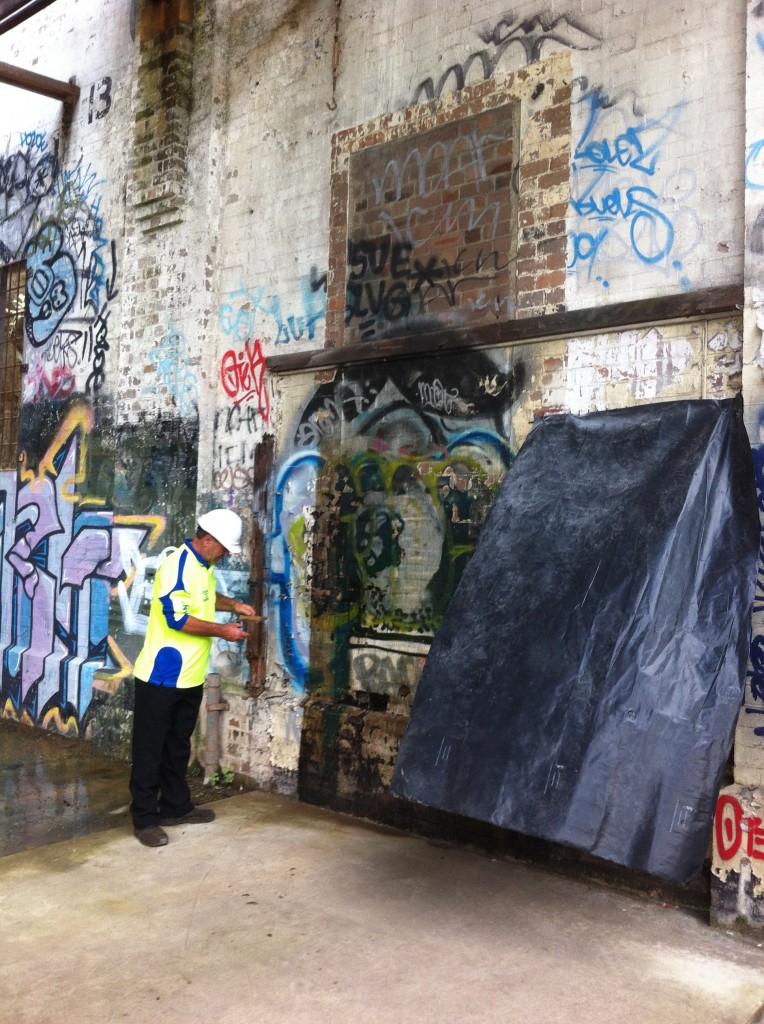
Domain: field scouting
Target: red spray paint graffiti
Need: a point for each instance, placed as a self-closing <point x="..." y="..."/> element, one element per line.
<point x="736" y="831"/>
<point x="243" y="377"/>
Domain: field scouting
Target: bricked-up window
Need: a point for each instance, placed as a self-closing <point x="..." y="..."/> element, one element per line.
<point x="12" y="295"/>
<point x="451" y="214"/>
<point x="432" y="226"/>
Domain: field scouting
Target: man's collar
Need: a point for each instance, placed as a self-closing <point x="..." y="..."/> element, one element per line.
<point x="190" y="545"/>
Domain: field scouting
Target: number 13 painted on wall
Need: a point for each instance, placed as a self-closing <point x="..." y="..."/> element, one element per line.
<point x="100" y="100"/>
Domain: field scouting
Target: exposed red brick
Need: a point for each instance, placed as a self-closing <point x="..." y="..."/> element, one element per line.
<point x="553" y="279"/>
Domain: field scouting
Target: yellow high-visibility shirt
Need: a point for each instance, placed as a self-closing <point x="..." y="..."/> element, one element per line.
<point x="184" y="585"/>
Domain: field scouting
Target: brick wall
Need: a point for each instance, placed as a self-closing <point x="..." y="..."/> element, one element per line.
<point x="454" y="213"/>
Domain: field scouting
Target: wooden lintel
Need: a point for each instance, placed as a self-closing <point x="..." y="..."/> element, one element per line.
<point x="66" y="92"/>
<point x="685" y="306"/>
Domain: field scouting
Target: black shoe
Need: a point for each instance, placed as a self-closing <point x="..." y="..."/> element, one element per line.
<point x="151" y="836"/>
<point x="197" y="816"/>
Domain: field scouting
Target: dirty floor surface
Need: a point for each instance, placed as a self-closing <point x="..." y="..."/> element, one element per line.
<point x="281" y="913"/>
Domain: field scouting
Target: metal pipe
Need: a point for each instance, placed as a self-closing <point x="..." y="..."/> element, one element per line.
<point x="14" y="12"/>
<point x="212" y="733"/>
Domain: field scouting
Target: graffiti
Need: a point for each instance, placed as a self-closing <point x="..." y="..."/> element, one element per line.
<point x="51" y="284"/>
<point x="248" y="312"/>
<point x="433" y="395"/>
<point x="463" y="159"/>
<point x="326" y="420"/>
<point x="142" y="568"/>
<point x="527" y="41"/>
<point x="243" y="377"/>
<point x="737" y="832"/>
<point x="376" y="671"/>
<point x="626" y="210"/>
<point x="171" y="360"/>
<point x="26" y="178"/>
<point x="33" y="140"/>
<point x="239" y="477"/>
<point x="413" y="284"/>
<point x="78" y="212"/>
<point x="237" y="418"/>
<point x="378" y="511"/>
<point x="491" y="385"/>
<point x="755" y="672"/>
<point x="50" y="217"/>
<point x="60" y="554"/>
<point x="429" y="230"/>
<point x="754" y="181"/>
<point x="150" y="469"/>
<point x="64" y="349"/>
<point x="95" y="347"/>
<point x="234" y="467"/>
<point x="39" y="385"/>
<point x="435" y="168"/>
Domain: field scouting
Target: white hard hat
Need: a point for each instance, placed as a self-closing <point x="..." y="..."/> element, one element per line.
<point x="225" y="526"/>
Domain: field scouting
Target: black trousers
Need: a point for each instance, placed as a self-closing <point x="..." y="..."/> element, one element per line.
<point x="163" y="724"/>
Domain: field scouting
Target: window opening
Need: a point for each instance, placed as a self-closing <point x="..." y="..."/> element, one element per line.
<point x="12" y="303"/>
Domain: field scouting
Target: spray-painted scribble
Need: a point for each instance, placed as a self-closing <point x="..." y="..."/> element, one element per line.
<point x="628" y="210"/>
<point x="174" y="377"/>
<point x="50" y="216"/>
<point x="252" y="311"/>
<point x="510" y="44"/>
<point x="243" y="377"/>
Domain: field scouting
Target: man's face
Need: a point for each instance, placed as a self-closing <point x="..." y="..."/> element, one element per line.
<point x="210" y="549"/>
<point x="218" y="551"/>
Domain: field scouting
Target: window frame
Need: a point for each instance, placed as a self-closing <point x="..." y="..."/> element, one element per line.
<point x="12" y="367"/>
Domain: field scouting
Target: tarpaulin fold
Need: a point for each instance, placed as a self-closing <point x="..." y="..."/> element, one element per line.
<point x="586" y="680"/>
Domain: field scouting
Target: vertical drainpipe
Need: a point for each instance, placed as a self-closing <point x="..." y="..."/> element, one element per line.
<point x="212" y="736"/>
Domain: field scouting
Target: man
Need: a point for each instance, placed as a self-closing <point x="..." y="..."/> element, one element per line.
<point x="169" y="675"/>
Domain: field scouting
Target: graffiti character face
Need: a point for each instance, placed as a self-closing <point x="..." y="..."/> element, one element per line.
<point x="51" y="284"/>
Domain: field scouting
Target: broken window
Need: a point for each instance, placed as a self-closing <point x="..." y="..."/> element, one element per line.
<point x="12" y="301"/>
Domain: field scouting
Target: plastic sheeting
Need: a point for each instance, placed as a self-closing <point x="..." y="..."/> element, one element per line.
<point x="586" y="680"/>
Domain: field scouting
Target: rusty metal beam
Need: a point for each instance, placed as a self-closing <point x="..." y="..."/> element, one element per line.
<point x="32" y="82"/>
<point x="686" y="306"/>
<point x="14" y="12"/>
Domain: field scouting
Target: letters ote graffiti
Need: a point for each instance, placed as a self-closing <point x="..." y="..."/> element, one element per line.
<point x="243" y="377"/>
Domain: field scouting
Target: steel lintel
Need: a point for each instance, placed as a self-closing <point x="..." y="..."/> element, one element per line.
<point x="14" y="12"/>
<point x="66" y="92"/>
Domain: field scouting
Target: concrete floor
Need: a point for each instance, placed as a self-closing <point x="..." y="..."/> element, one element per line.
<point x="283" y="913"/>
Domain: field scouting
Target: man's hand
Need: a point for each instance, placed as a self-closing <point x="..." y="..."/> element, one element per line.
<point x="233" y="632"/>
<point x="227" y="604"/>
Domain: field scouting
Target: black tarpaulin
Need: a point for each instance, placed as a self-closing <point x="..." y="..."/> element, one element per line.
<point x="586" y="680"/>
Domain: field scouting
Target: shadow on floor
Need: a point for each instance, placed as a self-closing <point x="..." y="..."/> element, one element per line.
<point x="55" y="787"/>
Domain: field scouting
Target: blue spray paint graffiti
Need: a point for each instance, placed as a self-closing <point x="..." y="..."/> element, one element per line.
<point x="253" y="313"/>
<point x="51" y="218"/>
<point x="627" y="211"/>
<point x="295" y="496"/>
<point x="755" y="673"/>
<point x="171" y="359"/>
